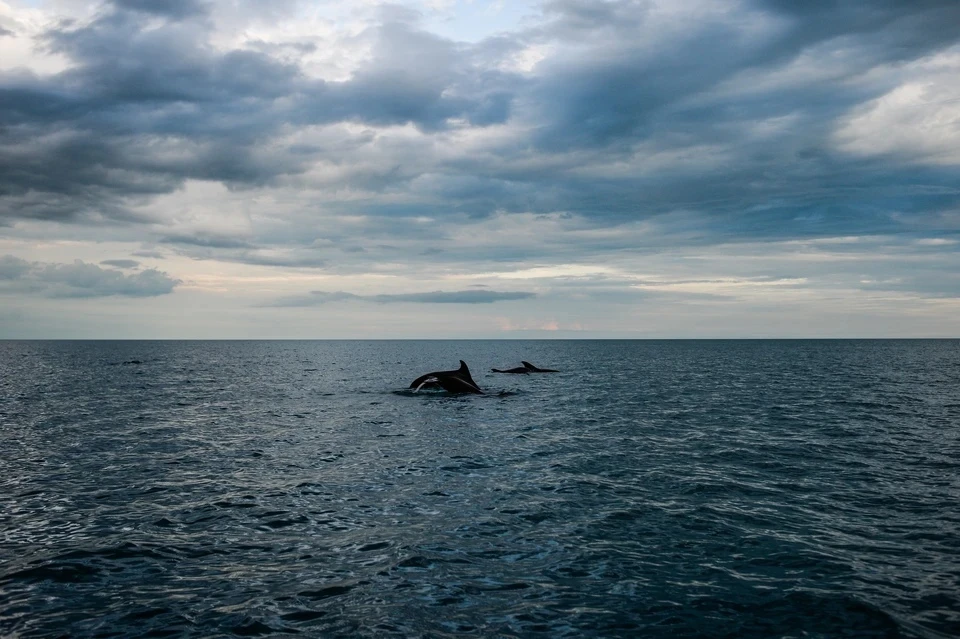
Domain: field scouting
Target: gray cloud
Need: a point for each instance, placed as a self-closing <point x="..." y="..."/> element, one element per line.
<point x="891" y="29"/>
<point x="13" y="268"/>
<point x="455" y="297"/>
<point x="80" y="279"/>
<point x="177" y="9"/>
<point x="234" y="250"/>
<point x="206" y="240"/>
<point x="316" y="298"/>
<point x="121" y="263"/>
<point x="145" y="107"/>
<point x="720" y="131"/>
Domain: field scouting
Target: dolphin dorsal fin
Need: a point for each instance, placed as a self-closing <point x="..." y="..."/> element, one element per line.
<point x="528" y="365"/>
<point x="466" y="372"/>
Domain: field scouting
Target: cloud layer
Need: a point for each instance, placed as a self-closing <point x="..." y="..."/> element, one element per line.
<point x="408" y="142"/>
<point x="80" y="279"/>
<point x="316" y="298"/>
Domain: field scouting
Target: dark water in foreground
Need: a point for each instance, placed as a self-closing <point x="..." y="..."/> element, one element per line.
<point x="651" y="489"/>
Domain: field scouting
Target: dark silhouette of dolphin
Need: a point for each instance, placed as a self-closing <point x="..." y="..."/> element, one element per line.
<point x="519" y="370"/>
<point x="458" y="381"/>
<point x="533" y="369"/>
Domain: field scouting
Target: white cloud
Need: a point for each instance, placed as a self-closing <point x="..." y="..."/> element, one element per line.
<point x="919" y="119"/>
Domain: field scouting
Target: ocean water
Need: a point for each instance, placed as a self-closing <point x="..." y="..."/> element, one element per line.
<point x="649" y="489"/>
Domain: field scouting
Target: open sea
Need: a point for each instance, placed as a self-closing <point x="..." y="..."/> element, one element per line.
<point x="649" y="489"/>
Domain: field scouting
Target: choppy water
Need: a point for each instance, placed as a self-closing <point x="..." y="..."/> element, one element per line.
<point x="650" y="489"/>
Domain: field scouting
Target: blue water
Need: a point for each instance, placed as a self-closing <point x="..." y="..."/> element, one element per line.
<point x="649" y="489"/>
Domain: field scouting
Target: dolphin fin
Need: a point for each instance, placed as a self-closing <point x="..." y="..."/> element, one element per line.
<point x="537" y="369"/>
<point x="465" y="372"/>
<point x="426" y="381"/>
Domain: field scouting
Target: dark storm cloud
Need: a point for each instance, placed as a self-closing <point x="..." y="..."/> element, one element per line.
<point x="617" y="98"/>
<point x="610" y="93"/>
<point x="619" y="89"/>
<point x="316" y="298"/>
<point x="145" y="107"/>
<point x="79" y="279"/>
<point x="625" y="118"/>
<point x="892" y="29"/>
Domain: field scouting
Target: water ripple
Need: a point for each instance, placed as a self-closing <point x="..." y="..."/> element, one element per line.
<point x="656" y="489"/>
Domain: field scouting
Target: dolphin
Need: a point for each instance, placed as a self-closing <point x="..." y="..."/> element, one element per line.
<point x="533" y="369"/>
<point x="518" y="369"/>
<point x="458" y="381"/>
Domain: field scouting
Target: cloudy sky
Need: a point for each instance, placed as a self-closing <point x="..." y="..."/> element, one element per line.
<point x="479" y="168"/>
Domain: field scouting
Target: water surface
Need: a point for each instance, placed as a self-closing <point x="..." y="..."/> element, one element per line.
<point x="650" y="488"/>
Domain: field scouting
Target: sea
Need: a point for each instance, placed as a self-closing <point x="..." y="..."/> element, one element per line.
<point x="737" y="489"/>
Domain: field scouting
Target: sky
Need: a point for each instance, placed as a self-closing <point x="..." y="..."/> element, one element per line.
<point x="479" y="169"/>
